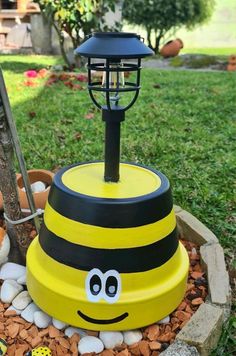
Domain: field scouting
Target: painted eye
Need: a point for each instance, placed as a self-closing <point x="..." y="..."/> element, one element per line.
<point x="94" y="285"/>
<point x="112" y="286"/>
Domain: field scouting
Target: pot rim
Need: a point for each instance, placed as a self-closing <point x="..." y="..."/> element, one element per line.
<point x="43" y="172"/>
<point x="2" y="235"/>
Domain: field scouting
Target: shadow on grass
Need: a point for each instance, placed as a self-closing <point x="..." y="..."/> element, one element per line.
<point x="19" y="67"/>
<point x="21" y="63"/>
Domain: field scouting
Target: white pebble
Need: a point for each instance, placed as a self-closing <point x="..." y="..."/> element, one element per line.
<point x="28" y="312"/>
<point x="12" y="270"/>
<point x="16" y="310"/>
<point x="9" y="290"/>
<point x="90" y="344"/>
<point x="22" y="300"/>
<point x="70" y="331"/>
<point x="41" y="319"/>
<point x="132" y="336"/>
<point x="58" y="324"/>
<point x="165" y="320"/>
<point x="22" y="279"/>
<point x="194" y="251"/>
<point x="38" y="187"/>
<point x="111" y="339"/>
<point x="4" y="249"/>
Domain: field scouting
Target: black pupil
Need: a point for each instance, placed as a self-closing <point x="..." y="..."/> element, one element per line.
<point x="111" y="286"/>
<point x="95" y="284"/>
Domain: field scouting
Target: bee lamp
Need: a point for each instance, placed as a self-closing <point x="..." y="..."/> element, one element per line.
<point x="107" y="256"/>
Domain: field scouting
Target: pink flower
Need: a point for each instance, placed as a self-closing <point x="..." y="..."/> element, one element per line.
<point x="31" y="74"/>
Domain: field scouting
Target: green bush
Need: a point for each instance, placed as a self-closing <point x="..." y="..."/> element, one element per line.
<point x="159" y="17"/>
<point x="76" y="18"/>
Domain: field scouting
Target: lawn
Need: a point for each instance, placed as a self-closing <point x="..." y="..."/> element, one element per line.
<point x="185" y="127"/>
<point x="223" y="51"/>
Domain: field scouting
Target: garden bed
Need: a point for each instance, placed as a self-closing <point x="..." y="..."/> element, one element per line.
<point x="22" y="335"/>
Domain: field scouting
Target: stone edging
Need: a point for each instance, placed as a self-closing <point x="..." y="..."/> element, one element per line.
<point x="201" y="334"/>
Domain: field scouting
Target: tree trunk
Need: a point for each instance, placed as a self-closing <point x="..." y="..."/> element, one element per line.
<point x="19" y="239"/>
<point x="61" y="42"/>
<point x="149" y="38"/>
<point x="158" y="39"/>
<point x="77" y="58"/>
<point x="41" y="33"/>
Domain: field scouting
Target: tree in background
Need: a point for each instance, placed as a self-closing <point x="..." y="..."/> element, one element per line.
<point x="76" y="18"/>
<point x="158" y="17"/>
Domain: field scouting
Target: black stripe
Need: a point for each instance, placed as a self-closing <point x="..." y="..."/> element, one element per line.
<point x="112" y="213"/>
<point x="124" y="260"/>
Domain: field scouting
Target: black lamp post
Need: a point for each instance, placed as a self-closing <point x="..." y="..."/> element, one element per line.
<point x="113" y="48"/>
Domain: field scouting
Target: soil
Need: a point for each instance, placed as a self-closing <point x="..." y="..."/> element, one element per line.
<point x="22" y="336"/>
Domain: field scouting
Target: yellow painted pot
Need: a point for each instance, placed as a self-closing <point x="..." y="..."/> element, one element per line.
<point x="107" y="256"/>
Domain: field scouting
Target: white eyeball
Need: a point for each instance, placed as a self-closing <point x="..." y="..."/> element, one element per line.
<point x="103" y="285"/>
<point x="112" y="286"/>
<point x="94" y="285"/>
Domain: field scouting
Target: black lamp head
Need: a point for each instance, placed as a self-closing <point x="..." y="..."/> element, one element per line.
<point x="114" y="45"/>
<point x="113" y="48"/>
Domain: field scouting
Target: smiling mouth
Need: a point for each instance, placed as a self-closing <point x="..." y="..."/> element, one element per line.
<point x="102" y="321"/>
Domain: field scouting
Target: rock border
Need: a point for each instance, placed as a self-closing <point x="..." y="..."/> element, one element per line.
<point x="201" y="334"/>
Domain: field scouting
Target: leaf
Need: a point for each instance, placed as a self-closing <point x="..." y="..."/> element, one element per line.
<point x="82" y="78"/>
<point x="89" y="116"/>
<point x="30" y="83"/>
<point x="68" y="84"/>
<point x="78" y="136"/>
<point x="42" y="73"/>
<point x="77" y="87"/>
<point x="32" y="114"/>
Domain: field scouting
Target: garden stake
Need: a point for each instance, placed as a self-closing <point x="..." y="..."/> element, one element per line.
<point x="107" y="256"/>
<point x="15" y="140"/>
<point x="8" y="188"/>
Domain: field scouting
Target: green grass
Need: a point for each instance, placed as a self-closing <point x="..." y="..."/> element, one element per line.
<point x="210" y="51"/>
<point x="227" y="343"/>
<point x="185" y="128"/>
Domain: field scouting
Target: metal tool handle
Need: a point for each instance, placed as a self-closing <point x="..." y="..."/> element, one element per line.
<point x="16" y="144"/>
